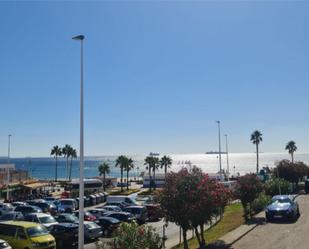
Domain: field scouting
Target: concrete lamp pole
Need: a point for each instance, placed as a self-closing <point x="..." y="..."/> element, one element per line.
<point x="81" y="158"/>
<point x="219" y="130"/>
<point x="8" y="168"/>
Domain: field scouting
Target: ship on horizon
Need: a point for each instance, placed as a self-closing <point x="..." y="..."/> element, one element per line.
<point x="214" y="152"/>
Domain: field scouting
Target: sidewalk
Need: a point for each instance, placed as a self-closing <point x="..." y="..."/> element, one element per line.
<point x="235" y="235"/>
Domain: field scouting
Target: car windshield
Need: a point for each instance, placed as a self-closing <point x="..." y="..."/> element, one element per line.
<point x="36" y="231"/>
<point x="92" y="225"/>
<point x="71" y="218"/>
<point x="47" y="219"/>
<point x="66" y="202"/>
<point x="285" y="200"/>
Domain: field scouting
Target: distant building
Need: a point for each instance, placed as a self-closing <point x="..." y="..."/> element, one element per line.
<point x="16" y="176"/>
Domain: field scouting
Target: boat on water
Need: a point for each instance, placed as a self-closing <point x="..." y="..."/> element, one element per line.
<point x="214" y="152"/>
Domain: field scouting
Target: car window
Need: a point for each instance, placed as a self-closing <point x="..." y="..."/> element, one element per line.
<point x="47" y="219"/>
<point x="7" y="230"/>
<point x="36" y="231"/>
<point x="20" y="234"/>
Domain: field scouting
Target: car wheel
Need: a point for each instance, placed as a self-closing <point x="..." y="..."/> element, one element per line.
<point x="298" y="213"/>
<point x="268" y="218"/>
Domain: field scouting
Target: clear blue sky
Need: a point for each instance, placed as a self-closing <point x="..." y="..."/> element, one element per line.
<point x="157" y="75"/>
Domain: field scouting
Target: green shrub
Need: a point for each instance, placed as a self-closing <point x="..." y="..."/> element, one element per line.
<point x="276" y="186"/>
<point x="260" y="203"/>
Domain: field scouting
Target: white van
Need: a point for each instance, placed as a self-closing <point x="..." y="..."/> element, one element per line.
<point x="120" y="199"/>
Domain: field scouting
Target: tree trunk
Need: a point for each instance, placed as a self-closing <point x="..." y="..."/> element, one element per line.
<point x="165" y="172"/>
<point x="104" y="181"/>
<point x="203" y="243"/>
<point x="154" y="178"/>
<point x="70" y="169"/>
<point x="56" y="170"/>
<point x="197" y="236"/>
<point x="257" y="158"/>
<point x="185" y="242"/>
<point x="121" y="172"/>
<point x="67" y="166"/>
<point x="127" y="179"/>
<point x="150" y="180"/>
<point x="292" y="155"/>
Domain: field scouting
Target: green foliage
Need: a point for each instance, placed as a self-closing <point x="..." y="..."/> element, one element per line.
<point x="291" y="172"/>
<point x="260" y="203"/>
<point x="276" y="186"/>
<point x="133" y="236"/>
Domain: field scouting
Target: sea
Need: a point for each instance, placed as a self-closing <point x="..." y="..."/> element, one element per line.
<point x="239" y="163"/>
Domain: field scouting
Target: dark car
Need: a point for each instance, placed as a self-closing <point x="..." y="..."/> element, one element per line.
<point x="139" y="212"/>
<point x="28" y="209"/>
<point x="122" y="216"/>
<point x="66" y="218"/>
<point x="44" y="205"/>
<point x="98" y="212"/>
<point x="12" y="216"/>
<point x="87" y="216"/>
<point x="282" y="207"/>
<point x="66" y="234"/>
<point x="108" y="225"/>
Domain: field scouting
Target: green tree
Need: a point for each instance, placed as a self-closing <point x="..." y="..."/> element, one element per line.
<point x="103" y="170"/>
<point x="66" y="154"/>
<point x="129" y="165"/>
<point x="291" y="148"/>
<point x="121" y="162"/>
<point x="165" y="163"/>
<point x="256" y="138"/>
<point x="56" y="151"/>
<point x="72" y="155"/>
<point x="152" y="163"/>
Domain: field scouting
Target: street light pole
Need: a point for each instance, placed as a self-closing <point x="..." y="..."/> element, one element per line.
<point x="8" y="168"/>
<point x="81" y="157"/>
<point x="219" y="129"/>
<point x="227" y="158"/>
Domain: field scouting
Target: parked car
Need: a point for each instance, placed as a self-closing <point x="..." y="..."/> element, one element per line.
<point x="28" y="209"/>
<point x="87" y="216"/>
<point x="139" y="212"/>
<point x="46" y="207"/>
<point x="5" y="208"/>
<point x="12" y="216"/>
<point x="4" y="245"/>
<point x="18" y="203"/>
<point x="110" y="208"/>
<point x="50" y="198"/>
<point x="44" y="219"/>
<point x="154" y="212"/>
<point x="282" y="207"/>
<point x="122" y="216"/>
<point x="120" y="198"/>
<point x="92" y="230"/>
<point x="121" y="205"/>
<point x="66" y="234"/>
<point x="98" y="212"/>
<point x="66" y="218"/>
<point x="67" y="205"/>
<point x="21" y="235"/>
<point x="108" y="225"/>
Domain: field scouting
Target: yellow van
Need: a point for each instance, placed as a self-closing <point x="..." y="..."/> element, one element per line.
<point x="26" y="235"/>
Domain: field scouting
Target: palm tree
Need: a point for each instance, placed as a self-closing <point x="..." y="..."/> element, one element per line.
<point x="103" y="170"/>
<point x="56" y="151"/>
<point x="66" y="153"/>
<point x="166" y="163"/>
<point x="129" y="165"/>
<point x="291" y="147"/>
<point x="152" y="163"/>
<point x="72" y="154"/>
<point x="256" y="138"/>
<point x="121" y="161"/>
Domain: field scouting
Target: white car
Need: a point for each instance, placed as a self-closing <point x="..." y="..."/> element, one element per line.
<point x="4" y="245"/>
<point x="44" y="219"/>
<point x="5" y="208"/>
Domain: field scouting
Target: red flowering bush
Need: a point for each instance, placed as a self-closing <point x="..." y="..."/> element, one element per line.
<point x="247" y="190"/>
<point x="191" y="200"/>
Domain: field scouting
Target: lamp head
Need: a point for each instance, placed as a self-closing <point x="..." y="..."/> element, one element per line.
<point x="78" y="37"/>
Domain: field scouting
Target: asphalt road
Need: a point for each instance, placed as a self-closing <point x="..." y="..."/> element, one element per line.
<point x="280" y="235"/>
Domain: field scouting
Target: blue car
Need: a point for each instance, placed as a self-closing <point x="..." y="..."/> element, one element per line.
<point x="282" y="207"/>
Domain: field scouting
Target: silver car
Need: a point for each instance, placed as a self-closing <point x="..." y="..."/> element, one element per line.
<point x="5" y="208"/>
<point x="4" y="245"/>
<point x="92" y="230"/>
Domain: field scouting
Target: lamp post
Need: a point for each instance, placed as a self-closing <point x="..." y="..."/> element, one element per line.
<point x="81" y="157"/>
<point x="8" y="168"/>
<point x="219" y="130"/>
<point x="227" y="158"/>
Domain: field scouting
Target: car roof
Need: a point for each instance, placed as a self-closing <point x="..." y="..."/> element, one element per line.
<point x="39" y="214"/>
<point x="277" y="197"/>
<point x="114" y="220"/>
<point x="67" y="225"/>
<point x="137" y="207"/>
<point x="24" y="224"/>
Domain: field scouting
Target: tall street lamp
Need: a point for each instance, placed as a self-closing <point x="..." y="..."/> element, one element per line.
<point x="8" y="167"/>
<point x="219" y="130"/>
<point x="227" y="158"/>
<point x="81" y="157"/>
